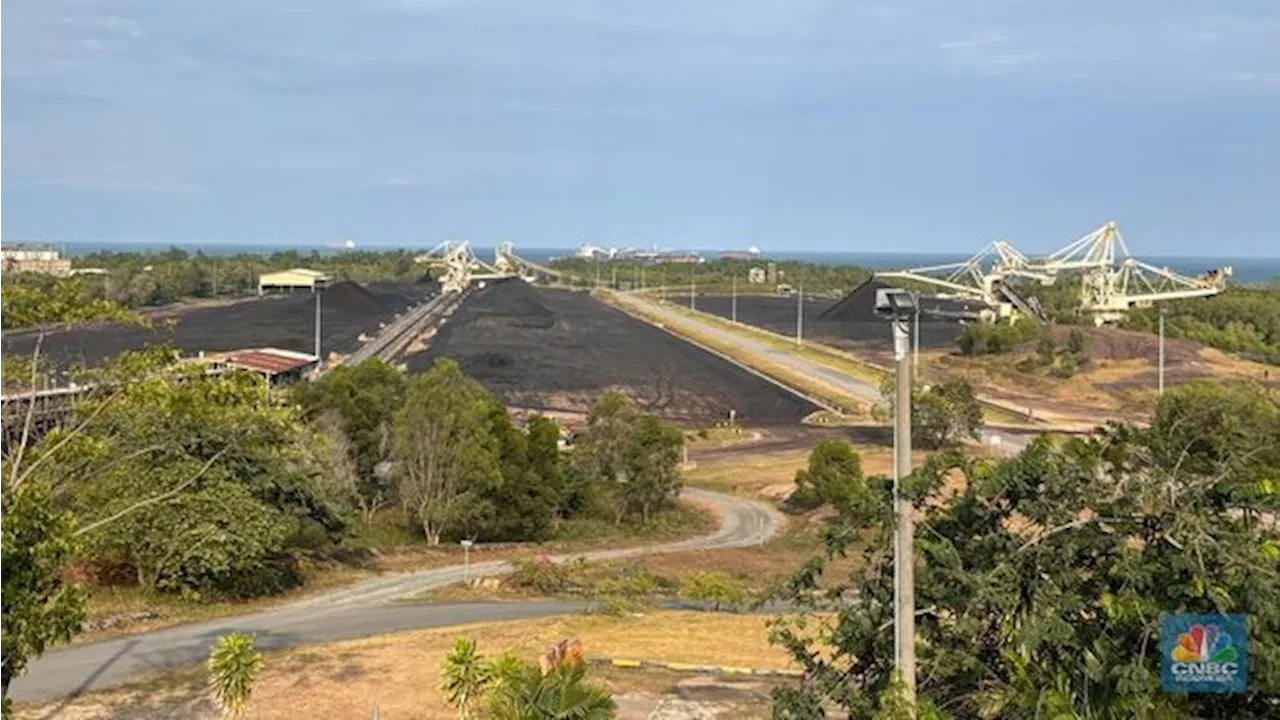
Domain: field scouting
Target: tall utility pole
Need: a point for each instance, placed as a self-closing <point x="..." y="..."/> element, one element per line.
<point x="613" y="281"/>
<point x="800" y="316"/>
<point x="1160" y="388"/>
<point x="733" y="302"/>
<point x="915" y="343"/>
<point x="693" y="289"/>
<point x="316" y="290"/>
<point x="642" y="276"/>
<point x="904" y="541"/>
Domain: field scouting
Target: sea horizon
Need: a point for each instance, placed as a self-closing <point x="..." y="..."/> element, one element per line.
<point x="1246" y="269"/>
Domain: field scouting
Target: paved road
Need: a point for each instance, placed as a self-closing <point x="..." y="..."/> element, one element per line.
<point x="361" y="610"/>
<point x="1008" y="442"/>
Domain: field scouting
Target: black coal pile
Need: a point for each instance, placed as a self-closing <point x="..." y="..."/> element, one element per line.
<point x="352" y="297"/>
<point x="858" y="306"/>
<point x="518" y="304"/>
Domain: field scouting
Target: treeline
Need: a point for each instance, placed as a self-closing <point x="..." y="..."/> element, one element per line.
<point x="717" y="276"/>
<point x="448" y="453"/>
<point x="148" y="279"/>
<point x="1046" y="570"/>
<point x="1244" y="320"/>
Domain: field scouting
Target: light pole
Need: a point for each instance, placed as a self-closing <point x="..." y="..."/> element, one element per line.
<point x="800" y="317"/>
<point x="1160" y="381"/>
<point x="915" y="344"/>
<point x="733" y="302"/>
<point x="898" y="306"/>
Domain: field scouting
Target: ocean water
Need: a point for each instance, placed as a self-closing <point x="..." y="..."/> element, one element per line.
<point x="1245" y="270"/>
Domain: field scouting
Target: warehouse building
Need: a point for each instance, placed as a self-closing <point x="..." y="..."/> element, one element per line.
<point x="292" y="280"/>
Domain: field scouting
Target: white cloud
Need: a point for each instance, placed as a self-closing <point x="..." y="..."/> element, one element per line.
<point x="973" y="43"/>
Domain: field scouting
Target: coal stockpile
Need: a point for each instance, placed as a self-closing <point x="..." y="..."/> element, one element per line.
<point x="557" y="351"/>
<point x="285" y="321"/>
<point x="850" y="323"/>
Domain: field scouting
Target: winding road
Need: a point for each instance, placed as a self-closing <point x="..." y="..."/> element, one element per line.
<point x="361" y="610"/>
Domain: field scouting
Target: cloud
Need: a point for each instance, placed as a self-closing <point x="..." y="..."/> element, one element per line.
<point x="973" y="43"/>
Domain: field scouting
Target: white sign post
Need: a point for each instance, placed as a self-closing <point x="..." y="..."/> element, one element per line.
<point x="466" y="561"/>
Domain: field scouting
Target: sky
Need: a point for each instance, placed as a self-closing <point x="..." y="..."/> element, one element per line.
<point x="916" y="125"/>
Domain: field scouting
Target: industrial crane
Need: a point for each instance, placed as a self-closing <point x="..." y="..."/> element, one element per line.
<point x="462" y="267"/>
<point x="1111" y="280"/>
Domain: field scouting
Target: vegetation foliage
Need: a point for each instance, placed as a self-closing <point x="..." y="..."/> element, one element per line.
<point x="1040" y="584"/>
<point x="234" y="664"/>
<point x="507" y="688"/>
<point x="1244" y="320"/>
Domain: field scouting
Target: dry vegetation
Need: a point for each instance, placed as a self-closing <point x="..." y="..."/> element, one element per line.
<point x="399" y="674"/>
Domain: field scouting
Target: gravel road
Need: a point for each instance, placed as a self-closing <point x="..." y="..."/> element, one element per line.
<point x="358" y="611"/>
<point x="1008" y="442"/>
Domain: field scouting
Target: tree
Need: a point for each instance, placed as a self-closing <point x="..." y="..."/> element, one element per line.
<point x="1046" y="349"/>
<point x="234" y="664"/>
<point x="365" y="398"/>
<point x="652" y="460"/>
<point x="942" y="415"/>
<point x="39" y="608"/>
<point x="1075" y="341"/>
<point x="945" y="414"/>
<point x="545" y="461"/>
<point x="1040" y="585"/>
<point x="832" y="477"/>
<point x="236" y="478"/>
<point x="444" y="447"/>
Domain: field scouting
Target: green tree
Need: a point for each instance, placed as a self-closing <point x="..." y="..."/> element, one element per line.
<point x="945" y="414"/>
<point x="197" y="483"/>
<point x="832" y="477"/>
<point x="942" y="415"/>
<point x="652" y="460"/>
<point x="39" y="608"/>
<point x="366" y="398"/>
<point x="546" y="461"/>
<point x="1040" y="585"/>
<point x="1046" y="349"/>
<point x="1075" y="341"/>
<point x="234" y="664"/>
<point x="444" y="448"/>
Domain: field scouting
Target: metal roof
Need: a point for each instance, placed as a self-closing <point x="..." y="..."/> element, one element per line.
<point x="270" y="361"/>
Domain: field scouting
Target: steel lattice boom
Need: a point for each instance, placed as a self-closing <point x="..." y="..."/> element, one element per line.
<point x="1111" y="280"/>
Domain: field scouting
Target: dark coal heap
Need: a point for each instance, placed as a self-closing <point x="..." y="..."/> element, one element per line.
<point x="858" y="306"/>
<point x="352" y="297"/>
<point x="515" y="302"/>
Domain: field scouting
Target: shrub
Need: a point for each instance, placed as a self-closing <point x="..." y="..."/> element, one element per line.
<point x="234" y="664"/>
<point x="539" y="574"/>
<point x="719" y="589"/>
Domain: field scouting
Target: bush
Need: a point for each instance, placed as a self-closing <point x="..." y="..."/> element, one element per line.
<point x="1065" y="367"/>
<point x="719" y="589"/>
<point x="539" y="574"/>
<point x="984" y="338"/>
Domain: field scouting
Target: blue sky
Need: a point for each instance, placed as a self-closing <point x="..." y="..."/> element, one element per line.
<point x="790" y="124"/>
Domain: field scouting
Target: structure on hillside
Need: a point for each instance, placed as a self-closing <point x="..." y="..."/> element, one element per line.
<point x="42" y="259"/>
<point x="1111" y="280"/>
<point x="460" y="266"/>
<point x="291" y="280"/>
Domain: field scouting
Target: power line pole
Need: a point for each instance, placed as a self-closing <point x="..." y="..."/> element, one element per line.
<point x="800" y="316"/>
<point x="693" y="289"/>
<point x="1160" y="389"/>
<point x="613" y="281"/>
<point x="915" y="344"/>
<point x="733" y="303"/>
<point x="904" y="546"/>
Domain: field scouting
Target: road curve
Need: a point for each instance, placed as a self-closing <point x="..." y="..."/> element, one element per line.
<point x="358" y="611"/>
